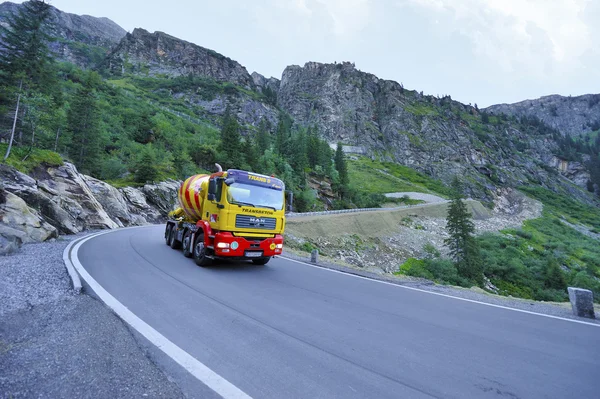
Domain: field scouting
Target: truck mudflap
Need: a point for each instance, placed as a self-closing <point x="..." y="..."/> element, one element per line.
<point x="228" y="245"/>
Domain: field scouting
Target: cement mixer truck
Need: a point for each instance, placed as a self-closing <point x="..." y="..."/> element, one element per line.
<point x="231" y="214"/>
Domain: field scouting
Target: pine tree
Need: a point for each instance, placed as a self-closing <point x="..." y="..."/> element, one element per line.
<point x="231" y="142"/>
<point x="283" y="145"/>
<point x="312" y="147"/>
<point x="83" y="124"/>
<point x="24" y="52"/>
<point x="25" y="62"/>
<point x="342" y="168"/>
<point x="461" y="242"/>
<point x="299" y="159"/>
<point x="146" y="169"/>
<point x="263" y="138"/>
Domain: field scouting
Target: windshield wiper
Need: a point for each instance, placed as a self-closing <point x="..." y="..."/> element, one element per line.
<point x="267" y="206"/>
<point x="240" y="204"/>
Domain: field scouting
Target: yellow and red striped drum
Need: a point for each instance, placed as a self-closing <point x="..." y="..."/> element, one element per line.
<point x="191" y="195"/>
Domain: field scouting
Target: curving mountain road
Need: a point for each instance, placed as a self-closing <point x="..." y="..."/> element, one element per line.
<point x="290" y="330"/>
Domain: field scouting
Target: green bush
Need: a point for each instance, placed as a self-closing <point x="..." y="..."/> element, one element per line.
<point x="416" y="268"/>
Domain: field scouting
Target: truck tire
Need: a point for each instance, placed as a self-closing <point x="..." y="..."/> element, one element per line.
<point x="261" y="261"/>
<point x="168" y="233"/>
<point x="199" y="252"/>
<point x="186" y="244"/>
<point x="173" y="243"/>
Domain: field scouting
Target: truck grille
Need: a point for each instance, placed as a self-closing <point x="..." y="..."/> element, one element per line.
<point x="255" y="222"/>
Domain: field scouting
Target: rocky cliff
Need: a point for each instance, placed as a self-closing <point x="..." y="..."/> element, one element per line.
<point x="438" y="136"/>
<point x="571" y="116"/>
<point x="158" y="53"/>
<point x="55" y="200"/>
<point x="81" y="39"/>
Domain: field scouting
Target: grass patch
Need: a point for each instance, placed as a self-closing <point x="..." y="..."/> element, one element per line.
<point x="558" y="204"/>
<point x="422" y="109"/>
<point x="366" y="175"/>
<point x="26" y="160"/>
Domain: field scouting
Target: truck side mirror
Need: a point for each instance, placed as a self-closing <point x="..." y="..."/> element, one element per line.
<point x="289" y="199"/>
<point x="212" y="190"/>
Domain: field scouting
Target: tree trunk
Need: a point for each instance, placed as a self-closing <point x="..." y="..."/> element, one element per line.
<point x="56" y="141"/>
<point x="12" y="133"/>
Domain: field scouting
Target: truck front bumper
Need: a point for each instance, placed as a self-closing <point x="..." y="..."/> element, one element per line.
<point x="227" y="245"/>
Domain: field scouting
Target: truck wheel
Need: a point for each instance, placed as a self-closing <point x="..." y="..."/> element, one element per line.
<point x="261" y="261"/>
<point x="173" y="243"/>
<point x="200" y="251"/>
<point x="187" y="244"/>
<point x="168" y="233"/>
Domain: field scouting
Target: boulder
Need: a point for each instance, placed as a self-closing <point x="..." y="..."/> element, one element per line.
<point x="137" y="205"/>
<point x="114" y="203"/>
<point x="46" y="204"/>
<point x="74" y="196"/>
<point x="162" y="195"/>
<point x="21" y="224"/>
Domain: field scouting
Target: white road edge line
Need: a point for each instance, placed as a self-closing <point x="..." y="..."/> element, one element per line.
<point x="70" y="269"/>
<point x="198" y="369"/>
<point x="444" y="295"/>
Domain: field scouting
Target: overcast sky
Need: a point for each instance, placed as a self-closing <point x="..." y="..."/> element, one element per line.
<point x="478" y="51"/>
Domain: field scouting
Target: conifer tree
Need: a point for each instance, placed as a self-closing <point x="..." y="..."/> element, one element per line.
<point x="25" y="61"/>
<point x="83" y="124"/>
<point x="461" y="242"/>
<point x="146" y="169"/>
<point x="342" y="168"/>
<point x="263" y="138"/>
<point x="231" y="142"/>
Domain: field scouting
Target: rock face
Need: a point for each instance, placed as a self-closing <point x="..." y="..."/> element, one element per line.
<point x="20" y="224"/>
<point x="437" y="136"/>
<point x="60" y="200"/>
<point x="571" y="116"/>
<point x="159" y="53"/>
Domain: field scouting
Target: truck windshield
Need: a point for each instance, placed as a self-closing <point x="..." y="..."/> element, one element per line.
<point x="247" y="194"/>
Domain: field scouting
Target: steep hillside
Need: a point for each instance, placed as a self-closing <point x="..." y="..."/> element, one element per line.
<point x="157" y="53"/>
<point x="81" y="39"/>
<point x="437" y="136"/>
<point x="571" y="116"/>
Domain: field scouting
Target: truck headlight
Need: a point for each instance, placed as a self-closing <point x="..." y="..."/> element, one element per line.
<point x="222" y="245"/>
<point x="279" y="246"/>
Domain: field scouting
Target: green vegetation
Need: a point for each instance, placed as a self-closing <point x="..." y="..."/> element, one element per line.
<point x="386" y="177"/>
<point x="422" y="109"/>
<point x="461" y="242"/>
<point x="26" y="159"/>
<point x="561" y="205"/>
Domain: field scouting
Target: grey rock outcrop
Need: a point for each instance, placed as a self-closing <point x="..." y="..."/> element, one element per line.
<point x="262" y="83"/>
<point x="437" y="136"/>
<point x="74" y="196"/>
<point x="571" y="116"/>
<point x="159" y="53"/>
<point x="114" y="203"/>
<point x="138" y="205"/>
<point x="60" y="200"/>
<point x="162" y="195"/>
<point x="20" y="224"/>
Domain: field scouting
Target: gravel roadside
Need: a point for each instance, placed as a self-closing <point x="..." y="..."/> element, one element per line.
<point x="56" y="344"/>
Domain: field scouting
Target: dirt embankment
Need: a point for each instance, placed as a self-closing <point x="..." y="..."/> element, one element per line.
<point x="381" y="241"/>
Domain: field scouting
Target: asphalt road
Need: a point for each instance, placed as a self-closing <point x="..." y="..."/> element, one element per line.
<point x="288" y="330"/>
